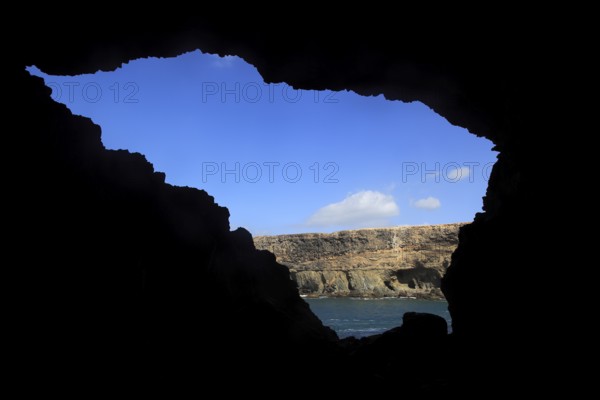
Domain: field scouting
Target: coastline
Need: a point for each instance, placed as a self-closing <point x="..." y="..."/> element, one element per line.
<point x="370" y="263"/>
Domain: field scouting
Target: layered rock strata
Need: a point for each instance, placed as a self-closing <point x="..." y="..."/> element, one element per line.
<point x="401" y="261"/>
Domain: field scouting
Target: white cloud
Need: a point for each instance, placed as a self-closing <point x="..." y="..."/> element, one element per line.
<point x="458" y="174"/>
<point x="365" y="208"/>
<point x="428" y="203"/>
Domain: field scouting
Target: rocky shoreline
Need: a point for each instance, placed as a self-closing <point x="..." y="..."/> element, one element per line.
<point x="406" y="261"/>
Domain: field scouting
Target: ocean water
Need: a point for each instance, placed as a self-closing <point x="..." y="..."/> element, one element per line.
<point x="357" y="317"/>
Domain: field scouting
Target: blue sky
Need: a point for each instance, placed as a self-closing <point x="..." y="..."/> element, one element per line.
<point x="284" y="160"/>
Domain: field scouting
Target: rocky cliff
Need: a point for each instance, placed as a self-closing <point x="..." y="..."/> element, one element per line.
<point x="399" y="261"/>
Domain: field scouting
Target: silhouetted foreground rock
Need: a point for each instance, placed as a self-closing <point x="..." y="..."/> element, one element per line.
<point x="116" y="276"/>
<point x="423" y="325"/>
<point x="377" y="262"/>
<point x="131" y="278"/>
<point x="409" y="354"/>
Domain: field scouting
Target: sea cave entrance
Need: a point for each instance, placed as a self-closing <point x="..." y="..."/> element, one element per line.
<point x="358" y="196"/>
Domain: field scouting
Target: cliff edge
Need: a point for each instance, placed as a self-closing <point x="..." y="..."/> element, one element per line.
<point x="378" y="262"/>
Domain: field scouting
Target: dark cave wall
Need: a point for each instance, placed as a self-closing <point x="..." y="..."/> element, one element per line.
<point x="482" y="88"/>
<point x="136" y="250"/>
<point x="121" y="277"/>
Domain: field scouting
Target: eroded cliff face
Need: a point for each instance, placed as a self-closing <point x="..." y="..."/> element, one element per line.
<point x="400" y="261"/>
